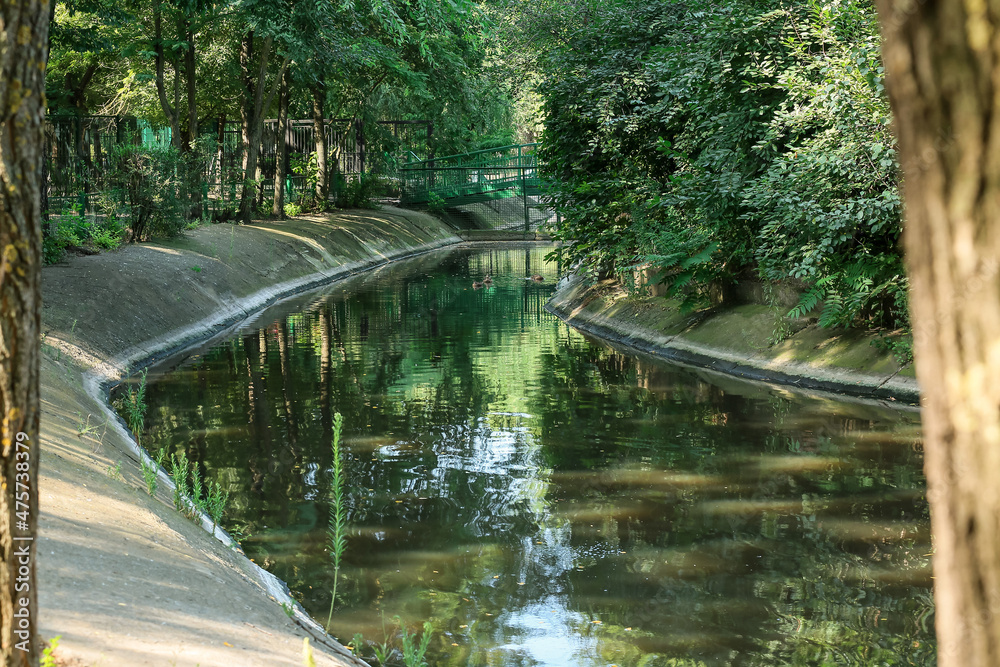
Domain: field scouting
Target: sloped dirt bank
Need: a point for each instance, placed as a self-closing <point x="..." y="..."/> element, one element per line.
<point x="737" y="341"/>
<point x="124" y="578"/>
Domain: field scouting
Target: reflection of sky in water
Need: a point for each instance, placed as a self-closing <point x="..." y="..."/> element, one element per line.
<point x="546" y="634"/>
<point x="546" y="502"/>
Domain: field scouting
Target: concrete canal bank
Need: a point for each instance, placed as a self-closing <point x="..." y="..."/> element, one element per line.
<point x="739" y="341"/>
<point x="125" y="579"/>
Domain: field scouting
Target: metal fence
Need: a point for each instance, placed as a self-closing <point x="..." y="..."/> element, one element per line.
<point x="78" y="156"/>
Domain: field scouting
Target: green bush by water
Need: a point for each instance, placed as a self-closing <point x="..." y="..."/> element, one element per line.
<point x="359" y="192"/>
<point x="157" y="188"/>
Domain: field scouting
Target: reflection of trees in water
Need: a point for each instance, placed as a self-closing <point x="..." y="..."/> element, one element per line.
<point x="435" y="380"/>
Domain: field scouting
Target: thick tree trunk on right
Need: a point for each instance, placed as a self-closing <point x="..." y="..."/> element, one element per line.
<point x="24" y="27"/>
<point x="943" y="74"/>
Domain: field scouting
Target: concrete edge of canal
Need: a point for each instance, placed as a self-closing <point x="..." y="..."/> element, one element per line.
<point x="737" y="341"/>
<point x="123" y="578"/>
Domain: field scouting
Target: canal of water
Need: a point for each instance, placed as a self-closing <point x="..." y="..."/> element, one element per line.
<point x="545" y="500"/>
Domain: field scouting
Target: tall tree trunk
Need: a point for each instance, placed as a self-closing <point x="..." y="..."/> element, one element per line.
<point x="24" y="29"/>
<point x="169" y="111"/>
<point x="943" y="74"/>
<point x="250" y="139"/>
<point x="254" y="105"/>
<point x="193" y="168"/>
<point x="282" y="152"/>
<point x="221" y="171"/>
<point x="190" y="72"/>
<point x="78" y="89"/>
<point x="319" y="129"/>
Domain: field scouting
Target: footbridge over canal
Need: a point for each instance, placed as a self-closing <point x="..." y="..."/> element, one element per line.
<point x="497" y="188"/>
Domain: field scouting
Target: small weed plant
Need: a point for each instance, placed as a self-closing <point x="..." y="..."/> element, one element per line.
<point x="307" y="653"/>
<point x="413" y="650"/>
<point x="338" y="520"/>
<point x="48" y="654"/>
<point x="114" y="470"/>
<point x="179" y="473"/>
<point x="413" y="647"/>
<point x="899" y="344"/>
<point x="84" y="428"/>
<point x="209" y="497"/>
<point x="216" y="499"/>
<point x="135" y="407"/>
<point x="150" y="471"/>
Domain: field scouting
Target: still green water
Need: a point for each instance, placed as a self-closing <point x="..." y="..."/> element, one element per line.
<point x="545" y="500"/>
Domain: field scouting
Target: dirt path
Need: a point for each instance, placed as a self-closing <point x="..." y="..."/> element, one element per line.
<point x="124" y="579"/>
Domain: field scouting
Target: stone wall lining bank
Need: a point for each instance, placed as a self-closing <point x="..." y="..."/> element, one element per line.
<point x="123" y="578"/>
<point x="736" y="341"/>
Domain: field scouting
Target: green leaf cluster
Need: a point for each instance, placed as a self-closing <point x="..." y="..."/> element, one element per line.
<point x="713" y="139"/>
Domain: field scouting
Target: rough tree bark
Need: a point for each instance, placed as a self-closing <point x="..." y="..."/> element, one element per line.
<point x="169" y="111"/>
<point x="24" y="28"/>
<point x="254" y="105"/>
<point x="318" y="91"/>
<point x="190" y="74"/>
<point x="278" y="208"/>
<point x="943" y="75"/>
<point x="193" y="175"/>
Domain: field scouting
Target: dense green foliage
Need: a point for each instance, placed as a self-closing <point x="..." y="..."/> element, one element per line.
<point x="716" y="138"/>
<point x="195" y="68"/>
<point x="377" y="59"/>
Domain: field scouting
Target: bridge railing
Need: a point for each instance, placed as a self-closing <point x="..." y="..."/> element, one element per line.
<point x="491" y="173"/>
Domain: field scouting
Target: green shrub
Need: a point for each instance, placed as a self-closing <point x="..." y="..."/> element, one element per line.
<point x="359" y="192"/>
<point x="307" y="166"/>
<point x="435" y="202"/>
<point x="109" y="236"/>
<point x="69" y="231"/>
<point x="157" y="190"/>
<point x="62" y="234"/>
